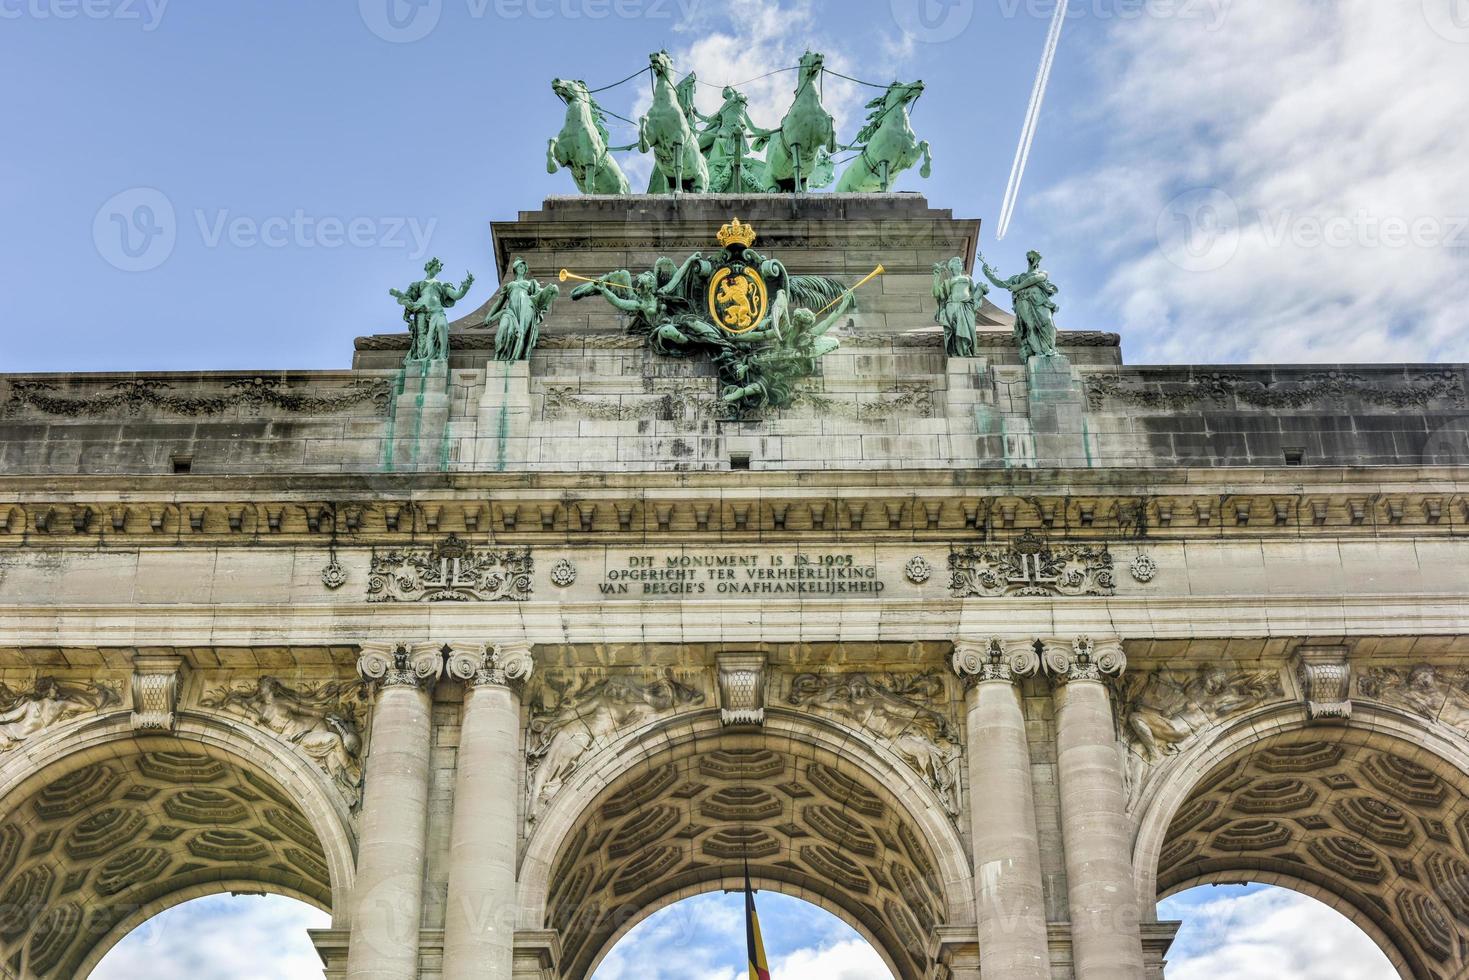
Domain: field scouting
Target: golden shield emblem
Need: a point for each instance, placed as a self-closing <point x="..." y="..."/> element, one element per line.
<point x="737" y="299"/>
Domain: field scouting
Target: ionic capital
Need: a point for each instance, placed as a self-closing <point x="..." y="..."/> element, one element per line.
<point x="401" y="664"/>
<point x="1084" y="659"/>
<point x="996" y="660"/>
<point x="478" y="663"/>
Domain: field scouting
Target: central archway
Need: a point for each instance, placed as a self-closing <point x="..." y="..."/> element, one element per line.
<point x="677" y="810"/>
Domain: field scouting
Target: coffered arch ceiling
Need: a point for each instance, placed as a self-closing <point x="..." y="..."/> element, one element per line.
<point x="812" y="823"/>
<point x="1366" y="818"/>
<point x="92" y="846"/>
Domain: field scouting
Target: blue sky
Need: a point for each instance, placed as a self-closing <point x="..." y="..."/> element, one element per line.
<point x="1218" y="180"/>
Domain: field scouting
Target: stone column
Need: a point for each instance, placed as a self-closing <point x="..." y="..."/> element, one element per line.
<point x="387" y="901"/>
<point x="1008" y="890"/>
<point x="479" y="920"/>
<point x="1105" y="928"/>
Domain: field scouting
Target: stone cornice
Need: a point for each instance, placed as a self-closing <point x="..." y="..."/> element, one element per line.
<point x="554" y="508"/>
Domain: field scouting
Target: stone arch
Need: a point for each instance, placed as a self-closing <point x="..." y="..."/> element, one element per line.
<point x="671" y="810"/>
<point x="102" y="827"/>
<point x="1370" y="816"/>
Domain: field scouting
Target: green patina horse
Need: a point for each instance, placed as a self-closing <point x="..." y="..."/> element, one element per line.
<point x="581" y="147"/>
<point x="792" y="162"/>
<point x="888" y="143"/>
<point x="677" y="162"/>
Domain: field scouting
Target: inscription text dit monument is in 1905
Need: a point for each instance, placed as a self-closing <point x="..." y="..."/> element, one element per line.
<point x="699" y="574"/>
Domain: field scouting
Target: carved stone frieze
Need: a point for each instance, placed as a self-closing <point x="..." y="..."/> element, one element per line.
<point x="686" y="400"/>
<point x="907" y="713"/>
<point x="47" y="702"/>
<point x="1326" y="682"/>
<point x="324" y="721"/>
<point x="134" y="396"/>
<point x="1440" y="693"/>
<point x="1162" y="709"/>
<point x="1219" y="388"/>
<point x="478" y="664"/>
<point x="571" y="717"/>
<point x="155" y="692"/>
<point x="1030" y="566"/>
<point x="453" y="570"/>
<point x="742" y="689"/>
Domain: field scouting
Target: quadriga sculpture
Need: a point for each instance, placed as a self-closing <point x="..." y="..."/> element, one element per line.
<point x="582" y="145"/>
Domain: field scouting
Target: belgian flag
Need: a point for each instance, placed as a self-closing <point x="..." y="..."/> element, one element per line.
<point x="759" y="968"/>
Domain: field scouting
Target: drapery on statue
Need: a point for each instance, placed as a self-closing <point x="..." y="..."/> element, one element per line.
<point x="424" y="304"/>
<point x="519" y="307"/>
<point x="583" y="144"/>
<point x="765" y="369"/>
<point x="889" y="145"/>
<point x="677" y="163"/>
<point x="1030" y="294"/>
<point x="959" y="298"/>
<point x="791" y="162"/>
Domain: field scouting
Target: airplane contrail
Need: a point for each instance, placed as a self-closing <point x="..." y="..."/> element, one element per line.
<point x="1032" y="117"/>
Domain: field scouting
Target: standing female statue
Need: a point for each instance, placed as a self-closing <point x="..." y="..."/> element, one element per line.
<point x="959" y="298"/>
<point x="1030" y="294"/>
<point x="519" y="307"/>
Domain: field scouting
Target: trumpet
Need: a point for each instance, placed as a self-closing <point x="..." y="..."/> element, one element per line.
<point x="568" y="274"/>
<point x="870" y="276"/>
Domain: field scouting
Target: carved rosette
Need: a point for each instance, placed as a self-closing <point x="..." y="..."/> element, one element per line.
<point x="1086" y="660"/>
<point x="995" y="661"/>
<point x="401" y="664"/>
<point x="479" y="664"/>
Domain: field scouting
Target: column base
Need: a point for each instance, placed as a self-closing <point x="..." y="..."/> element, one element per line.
<point x="1157" y="938"/>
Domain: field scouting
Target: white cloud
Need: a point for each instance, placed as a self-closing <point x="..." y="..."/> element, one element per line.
<point x="223" y="938"/>
<point x="1272" y="933"/>
<point x="1313" y="136"/>
<point x="850" y="960"/>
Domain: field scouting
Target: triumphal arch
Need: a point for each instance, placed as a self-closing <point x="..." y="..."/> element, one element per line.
<point x="538" y="620"/>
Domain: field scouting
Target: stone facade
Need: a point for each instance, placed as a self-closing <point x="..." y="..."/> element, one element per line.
<point x="493" y="661"/>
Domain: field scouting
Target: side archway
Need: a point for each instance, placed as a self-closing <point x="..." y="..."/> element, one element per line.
<point x="676" y="809"/>
<point x="102" y="827"/>
<point x="1371" y="817"/>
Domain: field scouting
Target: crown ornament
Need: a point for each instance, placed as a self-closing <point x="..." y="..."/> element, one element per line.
<point x="736" y="231"/>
